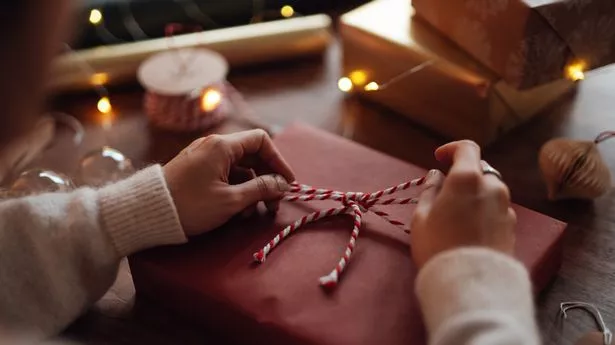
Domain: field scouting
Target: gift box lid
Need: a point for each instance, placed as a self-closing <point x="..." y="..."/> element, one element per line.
<point x="214" y="279"/>
<point x="528" y="42"/>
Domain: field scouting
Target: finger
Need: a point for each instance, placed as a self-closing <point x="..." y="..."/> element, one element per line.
<point x="509" y="238"/>
<point x="486" y="168"/>
<point x="465" y="174"/>
<point x="272" y="206"/>
<point x="433" y="183"/>
<point x="457" y="150"/>
<point x="261" y="168"/>
<point x="262" y="188"/>
<point x="496" y="187"/>
<point x="257" y="142"/>
<point x="239" y="175"/>
<point x="512" y="215"/>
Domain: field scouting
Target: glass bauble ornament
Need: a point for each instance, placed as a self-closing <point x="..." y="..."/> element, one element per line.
<point x="103" y="166"/>
<point x="38" y="181"/>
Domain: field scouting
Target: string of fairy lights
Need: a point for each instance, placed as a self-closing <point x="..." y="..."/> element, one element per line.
<point x="358" y="79"/>
<point x="192" y="10"/>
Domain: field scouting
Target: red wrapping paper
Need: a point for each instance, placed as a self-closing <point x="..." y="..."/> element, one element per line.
<point x="214" y="280"/>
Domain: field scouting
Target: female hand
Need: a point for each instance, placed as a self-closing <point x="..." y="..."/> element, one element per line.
<point x="465" y="208"/>
<point x="201" y="178"/>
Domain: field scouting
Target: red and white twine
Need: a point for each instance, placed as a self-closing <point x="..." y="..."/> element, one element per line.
<point x="353" y="203"/>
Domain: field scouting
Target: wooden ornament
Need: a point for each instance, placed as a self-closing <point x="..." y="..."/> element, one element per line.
<point x="574" y="169"/>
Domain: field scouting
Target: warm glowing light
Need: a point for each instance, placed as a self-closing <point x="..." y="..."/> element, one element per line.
<point x="345" y="84"/>
<point x="576" y="71"/>
<point x="372" y="86"/>
<point x="287" y="11"/>
<point x="104" y="105"/>
<point x="98" y="79"/>
<point x="358" y="77"/>
<point x="106" y="119"/>
<point x="95" y="17"/>
<point x="210" y="100"/>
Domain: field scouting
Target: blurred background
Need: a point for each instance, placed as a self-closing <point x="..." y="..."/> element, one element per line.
<point x="135" y="20"/>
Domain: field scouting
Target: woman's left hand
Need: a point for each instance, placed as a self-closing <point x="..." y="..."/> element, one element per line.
<point x="219" y="176"/>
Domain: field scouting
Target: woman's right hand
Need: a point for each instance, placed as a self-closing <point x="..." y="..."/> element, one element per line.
<point x="465" y="208"/>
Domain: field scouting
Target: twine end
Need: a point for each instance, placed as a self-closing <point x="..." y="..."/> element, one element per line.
<point x="328" y="281"/>
<point x="259" y="256"/>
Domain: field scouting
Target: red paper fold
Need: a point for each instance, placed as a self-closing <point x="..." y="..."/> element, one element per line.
<point x="214" y="280"/>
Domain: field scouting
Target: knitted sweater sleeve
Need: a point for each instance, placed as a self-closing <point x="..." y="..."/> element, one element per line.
<point x="59" y="253"/>
<point x="476" y="296"/>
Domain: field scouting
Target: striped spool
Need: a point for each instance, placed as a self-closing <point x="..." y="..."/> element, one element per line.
<point x="184" y="112"/>
<point x="176" y="82"/>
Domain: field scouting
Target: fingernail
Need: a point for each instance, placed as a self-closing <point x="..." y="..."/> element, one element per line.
<point x="432" y="177"/>
<point x="283" y="186"/>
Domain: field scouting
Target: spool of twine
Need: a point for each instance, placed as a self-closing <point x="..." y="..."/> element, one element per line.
<point x="184" y="112"/>
<point x="185" y="88"/>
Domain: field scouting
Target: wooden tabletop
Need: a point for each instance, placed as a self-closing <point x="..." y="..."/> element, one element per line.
<point x="306" y="91"/>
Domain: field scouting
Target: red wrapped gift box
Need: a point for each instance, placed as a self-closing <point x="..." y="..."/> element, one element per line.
<point x="214" y="279"/>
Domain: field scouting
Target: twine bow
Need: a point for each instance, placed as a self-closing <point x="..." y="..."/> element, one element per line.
<point x="353" y="203"/>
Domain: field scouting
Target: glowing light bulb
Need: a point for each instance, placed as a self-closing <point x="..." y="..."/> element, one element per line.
<point x="372" y="86"/>
<point x="358" y="77"/>
<point x="98" y="79"/>
<point x="104" y="105"/>
<point x="210" y="100"/>
<point x="345" y="84"/>
<point x="95" y="17"/>
<point x="575" y="71"/>
<point x="287" y="11"/>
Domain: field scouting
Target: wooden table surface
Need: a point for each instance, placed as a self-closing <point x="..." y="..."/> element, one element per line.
<point x="306" y="91"/>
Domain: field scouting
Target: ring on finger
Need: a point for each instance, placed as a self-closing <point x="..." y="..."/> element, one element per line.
<point x="488" y="169"/>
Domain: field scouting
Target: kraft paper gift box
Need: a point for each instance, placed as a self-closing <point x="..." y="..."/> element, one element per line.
<point x="455" y="95"/>
<point x="214" y="281"/>
<point x="527" y="42"/>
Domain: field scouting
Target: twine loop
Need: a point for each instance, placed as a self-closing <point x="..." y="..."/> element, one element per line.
<point x="355" y="204"/>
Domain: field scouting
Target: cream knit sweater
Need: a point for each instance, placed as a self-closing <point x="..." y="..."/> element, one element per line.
<point x="59" y="253"/>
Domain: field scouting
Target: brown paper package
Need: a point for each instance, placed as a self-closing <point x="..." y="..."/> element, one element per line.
<point x="527" y="42"/>
<point x="456" y="96"/>
<point x="213" y="280"/>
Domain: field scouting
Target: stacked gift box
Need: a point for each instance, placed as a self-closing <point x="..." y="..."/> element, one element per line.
<point x="485" y="66"/>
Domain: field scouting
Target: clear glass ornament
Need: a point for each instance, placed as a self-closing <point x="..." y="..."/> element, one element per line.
<point x="38" y="181"/>
<point x="103" y="166"/>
